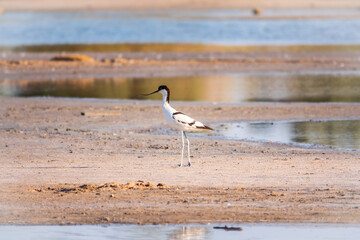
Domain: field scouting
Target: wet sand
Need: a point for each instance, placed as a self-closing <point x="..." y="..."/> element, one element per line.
<point x="51" y="147"/>
<point x="138" y="64"/>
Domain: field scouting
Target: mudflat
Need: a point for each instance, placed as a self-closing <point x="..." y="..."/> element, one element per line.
<point x="45" y="65"/>
<point x="67" y="161"/>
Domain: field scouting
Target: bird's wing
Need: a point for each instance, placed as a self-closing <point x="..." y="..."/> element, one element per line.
<point x="184" y="119"/>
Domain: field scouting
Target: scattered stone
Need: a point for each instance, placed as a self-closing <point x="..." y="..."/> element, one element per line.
<point x="15" y="62"/>
<point x="139" y="185"/>
<point x="226" y="228"/>
<point x="73" y="58"/>
<point x="276" y="194"/>
<point x="158" y="146"/>
<point x="88" y="186"/>
<point x="120" y="61"/>
<point x="108" y="185"/>
<point x="257" y="11"/>
<point x="162" y="185"/>
<point x="66" y="190"/>
<point x="130" y="185"/>
<point x="149" y="184"/>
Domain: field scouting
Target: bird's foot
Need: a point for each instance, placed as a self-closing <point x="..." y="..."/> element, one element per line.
<point x="180" y="165"/>
<point x="188" y="165"/>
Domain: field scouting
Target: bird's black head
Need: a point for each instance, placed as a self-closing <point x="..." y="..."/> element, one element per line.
<point x="162" y="87"/>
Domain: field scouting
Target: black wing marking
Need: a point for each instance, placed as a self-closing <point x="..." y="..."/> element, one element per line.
<point x="176" y="113"/>
<point x="205" y="127"/>
<point x="186" y="120"/>
<point x="192" y="123"/>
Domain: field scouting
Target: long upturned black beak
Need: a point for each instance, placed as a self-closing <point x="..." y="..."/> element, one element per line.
<point x="150" y="93"/>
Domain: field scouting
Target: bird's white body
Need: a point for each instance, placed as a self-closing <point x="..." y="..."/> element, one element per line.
<point x="179" y="120"/>
<point x="168" y="113"/>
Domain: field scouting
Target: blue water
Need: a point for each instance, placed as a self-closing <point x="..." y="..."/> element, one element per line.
<point x="181" y="232"/>
<point x="267" y="87"/>
<point x="342" y="134"/>
<point x="209" y="27"/>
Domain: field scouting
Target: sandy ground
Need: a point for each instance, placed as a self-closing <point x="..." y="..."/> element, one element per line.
<point x="49" y="150"/>
<point x="15" y="5"/>
<point x="59" y="166"/>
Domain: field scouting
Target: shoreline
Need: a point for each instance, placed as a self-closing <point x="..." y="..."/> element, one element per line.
<point x="103" y="48"/>
<point x="157" y="64"/>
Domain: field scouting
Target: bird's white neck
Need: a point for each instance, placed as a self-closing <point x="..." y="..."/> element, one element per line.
<point x="165" y="97"/>
<point x="166" y="106"/>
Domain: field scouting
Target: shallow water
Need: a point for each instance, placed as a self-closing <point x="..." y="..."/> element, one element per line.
<point x="344" y="134"/>
<point x="177" y="232"/>
<point x="226" y="88"/>
<point x="226" y="27"/>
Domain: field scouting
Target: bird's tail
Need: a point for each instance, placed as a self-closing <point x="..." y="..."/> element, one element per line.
<point x="205" y="128"/>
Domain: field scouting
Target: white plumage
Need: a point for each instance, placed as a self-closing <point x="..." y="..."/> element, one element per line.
<point x="179" y="120"/>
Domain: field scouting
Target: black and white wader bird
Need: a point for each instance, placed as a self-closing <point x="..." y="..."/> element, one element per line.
<point x="179" y="120"/>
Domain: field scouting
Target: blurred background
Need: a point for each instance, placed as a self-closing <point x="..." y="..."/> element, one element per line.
<point x="182" y="26"/>
<point x="315" y="31"/>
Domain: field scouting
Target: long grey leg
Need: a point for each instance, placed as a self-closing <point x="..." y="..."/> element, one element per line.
<point x="188" y="143"/>
<point x="182" y="148"/>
